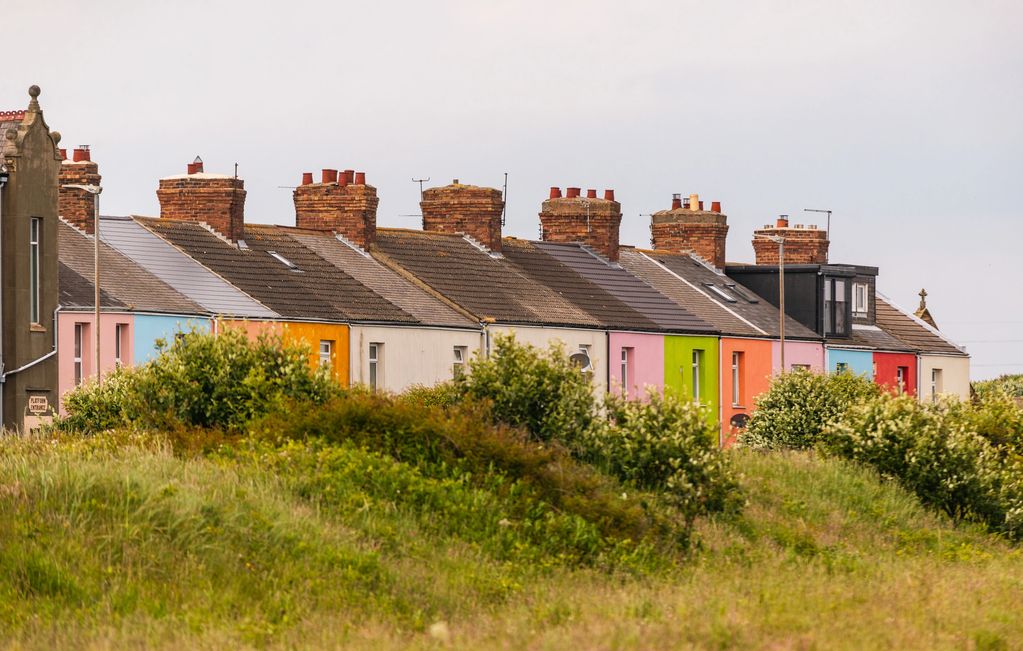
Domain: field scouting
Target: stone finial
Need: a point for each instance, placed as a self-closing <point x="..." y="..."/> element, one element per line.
<point x="923" y="300"/>
<point x="923" y="313"/>
<point x="33" y="92"/>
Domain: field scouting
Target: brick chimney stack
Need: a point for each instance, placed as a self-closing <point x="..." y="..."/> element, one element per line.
<point x="341" y="203"/>
<point x="588" y="220"/>
<point x="688" y="228"/>
<point x="78" y="206"/>
<point x="468" y="209"/>
<point x="196" y="196"/>
<point x="803" y="244"/>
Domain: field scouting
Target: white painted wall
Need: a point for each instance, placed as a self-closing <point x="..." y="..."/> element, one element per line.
<point x="955" y="376"/>
<point x="572" y="339"/>
<point x="408" y="355"/>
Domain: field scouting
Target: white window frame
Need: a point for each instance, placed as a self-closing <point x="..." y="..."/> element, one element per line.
<point x="900" y="379"/>
<point x="375" y="350"/>
<point x="460" y="353"/>
<point x="936" y="384"/>
<point x="79" y="363"/>
<point x="841" y="367"/>
<point x="326" y="352"/>
<point x="626" y="353"/>
<point x="861" y="299"/>
<point x="119" y="344"/>
<point x="35" y="230"/>
<point x="696" y="368"/>
<point x="736" y="378"/>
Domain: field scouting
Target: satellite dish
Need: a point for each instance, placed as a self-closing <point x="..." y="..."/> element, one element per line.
<point x="581" y="360"/>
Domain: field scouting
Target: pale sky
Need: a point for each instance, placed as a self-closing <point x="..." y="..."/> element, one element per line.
<point x="904" y="118"/>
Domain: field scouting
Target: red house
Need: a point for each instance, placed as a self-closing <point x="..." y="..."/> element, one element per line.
<point x="896" y="372"/>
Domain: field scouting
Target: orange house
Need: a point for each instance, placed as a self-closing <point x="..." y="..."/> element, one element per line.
<point x="746" y="368"/>
<point x="327" y="342"/>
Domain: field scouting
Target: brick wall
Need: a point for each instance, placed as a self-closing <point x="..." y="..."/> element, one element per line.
<point x="346" y="207"/>
<point x="803" y="244"/>
<point x="78" y="206"/>
<point x="469" y="209"/>
<point x="216" y="199"/>
<point x="589" y="220"/>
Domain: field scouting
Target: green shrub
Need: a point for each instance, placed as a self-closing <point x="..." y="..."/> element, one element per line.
<point x="935" y="451"/>
<point x="445" y="394"/>
<point x="800" y="404"/>
<point x="462" y="441"/>
<point x="200" y="380"/>
<point x="664" y="443"/>
<point x="540" y="391"/>
<point x="1007" y="385"/>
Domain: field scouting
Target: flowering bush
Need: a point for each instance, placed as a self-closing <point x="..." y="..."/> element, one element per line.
<point x="800" y="404"/>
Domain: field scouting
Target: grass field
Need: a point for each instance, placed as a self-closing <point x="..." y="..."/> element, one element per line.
<point x="118" y="543"/>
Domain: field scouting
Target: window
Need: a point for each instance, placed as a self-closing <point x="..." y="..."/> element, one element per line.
<point x="901" y="373"/>
<point x="626" y="354"/>
<point x="861" y="300"/>
<point x="697" y="364"/>
<point x="736" y="379"/>
<point x="936" y="388"/>
<point x="835" y="306"/>
<point x="720" y="292"/>
<point x="287" y="263"/>
<point x="79" y="348"/>
<point x="326" y="350"/>
<point x="743" y="292"/>
<point x="375" y="351"/>
<point x="841" y="367"/>
<point x="120" y="343"/>
<point x="34" y="235"/>
<point x="799" y="367"/>
<point x="458" y="365"/>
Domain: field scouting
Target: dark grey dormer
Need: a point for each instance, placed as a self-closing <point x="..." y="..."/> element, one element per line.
<point x="821" y="297"/>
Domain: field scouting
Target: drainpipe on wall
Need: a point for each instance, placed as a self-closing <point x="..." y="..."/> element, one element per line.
<point x="3" y="184"/>
<point x="721" y="393"/>
<point x="607" y="358"/>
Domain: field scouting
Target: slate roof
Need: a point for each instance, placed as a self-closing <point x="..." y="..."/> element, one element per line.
<point x="77" y="292"/>
<point x="759" y="312"/>
<point x="864" y="336"/>
<point x="172" y="266"/>
<point x="426" y="308"/>
<point x="683" y="292"/>
<point x="314" y="289"/>
<point x="626" y="287"/>
<point x="545" y="269"/>
<point x="123" y="280"/>
<point x="487" y="286"/>
<point x="912" y="330"/>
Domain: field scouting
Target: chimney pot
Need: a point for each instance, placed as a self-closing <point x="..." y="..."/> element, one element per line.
<point x="343" y="180"/>
<point x="676" y="201"/>
<point x="782" y="222"/>
<point x="685" y="203"/>
<point x="350" y="176"/>
<point x="307" y="178"/>
<point x="701" y="205"/>
<point x="594" y="223"/>
<point x="454" y="181"/>
<point x="572" y="193"/>
<point x="80" y="154"/>
<point x="715" y="206"/>
<point x="609" y="195"/>
<point x="328" y="176"/>
<point x="555" y="192"/>
<point x="63" y="154"/>
<point x="360" y="178"/>
<point x="591" y="194"/>
<point x="694" y="202"/>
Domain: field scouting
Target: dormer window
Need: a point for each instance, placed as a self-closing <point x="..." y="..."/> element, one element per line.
<point x="861" y="300"/>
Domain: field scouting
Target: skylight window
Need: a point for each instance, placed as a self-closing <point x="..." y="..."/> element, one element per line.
<point x="287" y="263"/>
<point x="743" y="292"/>
<point x="720" y="292"/>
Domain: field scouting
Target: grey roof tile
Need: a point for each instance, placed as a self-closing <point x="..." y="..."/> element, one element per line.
<point x="911" y="330"/>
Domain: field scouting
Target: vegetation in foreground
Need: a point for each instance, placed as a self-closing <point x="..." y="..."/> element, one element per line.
<point x="507" y="509"/>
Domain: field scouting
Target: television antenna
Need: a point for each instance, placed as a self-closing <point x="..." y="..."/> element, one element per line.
<point x="828" y="231"/>
<point x="421" y="182"/>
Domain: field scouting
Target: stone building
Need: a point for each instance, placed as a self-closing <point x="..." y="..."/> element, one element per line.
<point x="28" y="265"/>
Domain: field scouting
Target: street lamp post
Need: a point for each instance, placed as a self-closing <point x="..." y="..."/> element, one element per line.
<point x="780" y="241"/>
<point x="94" y="190"/>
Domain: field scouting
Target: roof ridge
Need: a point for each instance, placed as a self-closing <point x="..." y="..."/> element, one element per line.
<point x="919" y="321"/>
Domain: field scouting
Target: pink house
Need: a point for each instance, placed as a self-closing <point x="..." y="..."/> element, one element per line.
<point x="636" y="362"/>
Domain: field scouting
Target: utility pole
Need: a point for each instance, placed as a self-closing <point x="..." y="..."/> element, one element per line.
<point x="94" y="190"/>
<point x="780" y="241"/>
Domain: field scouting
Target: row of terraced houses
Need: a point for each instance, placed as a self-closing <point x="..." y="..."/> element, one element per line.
<point x="391" y="308"/>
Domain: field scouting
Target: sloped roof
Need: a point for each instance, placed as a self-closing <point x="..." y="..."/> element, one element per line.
<point x="626" y="287"/>
<point x="911" y="330"/>
<point x="178" y="270"/>
<point x="312" y="289"/>
<point x="544" y="269"/>
<point x="685" y="293"/>
<point x="487" y="286"/>
<point x="121" y="278"/>
<point x="77" y="292"/>
<point x="759" y="312"/>
<point x="426" y="308"/>
<point x="872" y="337"/>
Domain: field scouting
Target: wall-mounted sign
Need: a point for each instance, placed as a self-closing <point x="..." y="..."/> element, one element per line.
<point x="38" y="405"/>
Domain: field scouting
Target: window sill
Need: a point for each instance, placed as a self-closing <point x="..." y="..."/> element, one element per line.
<point x="35" y="327"/>
<point x="738" y="407"/>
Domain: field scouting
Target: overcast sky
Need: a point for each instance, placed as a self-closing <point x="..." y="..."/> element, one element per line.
<point x="904" y="118"/>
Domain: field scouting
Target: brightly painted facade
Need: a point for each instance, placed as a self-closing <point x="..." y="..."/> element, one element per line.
<point x="594" y="342"/>
<point x="394" y="358"/>
<point x="636" y="363"/>
<point x="850" y="360"/>
<point x="332" y="339"/>
<point x="807" y="355"/>
<point x="746" y="371"/>
<point x="691" y="364"/>
<point x="896" y="372"/>
<point x="943" y="375"/>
